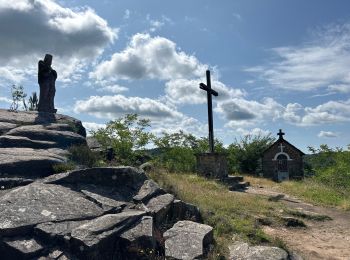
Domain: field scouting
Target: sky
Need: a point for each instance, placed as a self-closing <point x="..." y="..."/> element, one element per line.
<point x="275" y="64"/>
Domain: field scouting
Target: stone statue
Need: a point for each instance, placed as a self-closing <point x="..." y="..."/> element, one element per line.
<point x="46" y="79"/>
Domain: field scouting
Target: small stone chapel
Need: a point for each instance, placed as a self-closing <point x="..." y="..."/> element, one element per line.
<point x="282" y="160"/>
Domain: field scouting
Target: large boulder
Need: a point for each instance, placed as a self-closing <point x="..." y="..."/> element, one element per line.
<point x="28" y="161"/>
<point x="96" y="213"/>
<point x="25" y="207"/>
<point x="188" y="240"/>
<point x="242" y="251"/>
<point x="33" y="143"/>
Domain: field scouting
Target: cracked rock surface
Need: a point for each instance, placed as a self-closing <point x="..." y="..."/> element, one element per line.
<point x="93" y="214"/>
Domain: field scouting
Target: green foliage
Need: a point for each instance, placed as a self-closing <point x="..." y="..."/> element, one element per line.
<point x="331" y="166"/>
<point x="18" y="95"/>
<point x="244" y="155"/>
<point x="82" y="155"/>
<point x="33" y="102"/>
<point x="63" y="167"/>
<point x="178" y="150"/>
<point x="127" y="136"/>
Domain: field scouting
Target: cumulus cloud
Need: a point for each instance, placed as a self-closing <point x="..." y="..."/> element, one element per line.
<point x="330" y="112"/>
<point x="91" y="126"/>
<point x="242" y="112"/>
<point x="341" y="88"/>
<point x="327" y="134"/>
<point x="116" y="89"/>
<point x="184" y="91"/>
<point x="29" y="29"/>
<point x="320" y="63"/>
<point x="254" y="131"/>
<point x="149" y="57"/>
<point x="111" y="107"/>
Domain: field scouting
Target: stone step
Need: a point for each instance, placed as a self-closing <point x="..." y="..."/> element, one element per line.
<point x="8" y="141"/>
<point x="240" y="186"/>
<point x="231" y="180"/>
<point x="64" y="139"/>
<point x="11" y="182"/>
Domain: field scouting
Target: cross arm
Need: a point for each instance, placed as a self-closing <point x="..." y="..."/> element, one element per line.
<point x="211" y="91"/>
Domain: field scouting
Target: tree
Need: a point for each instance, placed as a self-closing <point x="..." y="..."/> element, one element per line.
<point x="127" y="136"/>
<point x="33" y="102"/>
<point x="177" y="151"/>
<point x="18" y="95"/>
<point x="244" y="155"/>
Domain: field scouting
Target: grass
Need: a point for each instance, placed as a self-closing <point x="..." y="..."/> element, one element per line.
<point x="233" y="215"/>
<point x="310" y="190"/>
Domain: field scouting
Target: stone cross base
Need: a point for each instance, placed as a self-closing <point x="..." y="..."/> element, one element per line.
<point x="212" y="165"/>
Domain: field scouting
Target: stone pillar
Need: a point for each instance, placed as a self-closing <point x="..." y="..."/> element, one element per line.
<point x="212" y="165"/>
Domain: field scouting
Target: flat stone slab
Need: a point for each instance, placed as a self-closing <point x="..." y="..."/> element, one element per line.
<point x="34" y="117"/>
<point x="27" y="206"/>
<point x="20" y="141"/>
<point x="21" y="248"/>
<point x="105" y="202"/>
<point x="160" y="206"/>
<point x="8" y="182"/>
<point x="51" y="231"/>
<point x="148" y="190"/>
<point x="28" y="161"/>
<point x="97" y="230"/>
<point x="188" y="240"/>
<point x="63" y="139"/>
<point x="243" y="251"/>
<point x="5" y="127"/>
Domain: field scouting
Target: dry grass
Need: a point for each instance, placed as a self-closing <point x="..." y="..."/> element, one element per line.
<point x="309" y="190"/>
<point x="232" y="214"/>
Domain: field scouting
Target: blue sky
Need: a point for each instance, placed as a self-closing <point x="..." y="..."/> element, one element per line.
<point x="276" y="64"/>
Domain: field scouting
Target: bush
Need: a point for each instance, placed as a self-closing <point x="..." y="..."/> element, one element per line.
<point x="178" y="150"/>
<point x="82" y="155"/>
<point x="244" y="155"/>
<point x="331" y="166"/>
<point x="127" y="136"/>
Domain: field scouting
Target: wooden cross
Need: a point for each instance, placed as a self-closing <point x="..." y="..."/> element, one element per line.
<point x="210" y="92"/>
<point x="280" y="134"/>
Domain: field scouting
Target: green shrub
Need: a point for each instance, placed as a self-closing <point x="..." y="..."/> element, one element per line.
<point x="82" y="155"/>
<point x="127" y="136"/>
<point x="244" y="155"/>
<point x="63" y="167"/>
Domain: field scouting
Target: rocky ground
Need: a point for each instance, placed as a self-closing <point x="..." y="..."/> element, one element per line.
<point x="326" y="234"/>
<point x="99" y="213"/>
<point x="35" y="142"/>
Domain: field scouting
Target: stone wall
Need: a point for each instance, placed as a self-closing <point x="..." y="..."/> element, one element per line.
<point x="212" y="165"/>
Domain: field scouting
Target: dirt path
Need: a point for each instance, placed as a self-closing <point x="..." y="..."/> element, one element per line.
<point x="328" y="239"/>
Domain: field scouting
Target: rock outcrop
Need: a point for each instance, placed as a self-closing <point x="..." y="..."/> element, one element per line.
<point x="99" y="213"/>
<point x="243" y="251"/>
<point x="31" y="142"/>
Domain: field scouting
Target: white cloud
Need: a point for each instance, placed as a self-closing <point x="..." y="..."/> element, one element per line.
<point x="329" y="112"/>
<point x="127" y="14"/>
<point x="149" y="57"/>
<point x="327" y="134"/>
<point x="184" y="91"/>
<point x="29" y="29"/>
<point x="116" y="89"/>
<point x="111" y="107"/>
<point x="254" y="131"/>
<point x="5" y="100"/>
<point x="242" y="112"/>
<point x="342" y="88"/>
<point x="320" y="63"/>
<point x="91" y="126"/>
